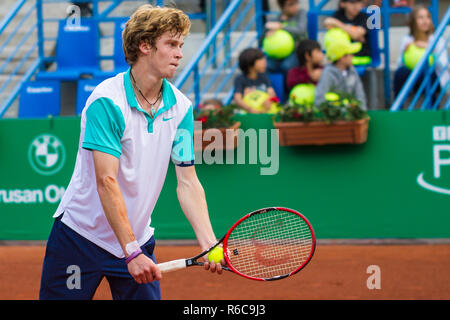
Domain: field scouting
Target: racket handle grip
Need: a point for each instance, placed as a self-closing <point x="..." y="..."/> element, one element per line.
<point x="172" y="265"/>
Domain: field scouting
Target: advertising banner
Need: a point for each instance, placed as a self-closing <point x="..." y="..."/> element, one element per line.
<point x="396" y="185"/>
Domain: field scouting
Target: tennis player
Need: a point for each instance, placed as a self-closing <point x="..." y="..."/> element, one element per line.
<point x="131" y="127"/>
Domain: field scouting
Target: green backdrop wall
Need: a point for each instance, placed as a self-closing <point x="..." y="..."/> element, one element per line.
<point x="346" y="191"/>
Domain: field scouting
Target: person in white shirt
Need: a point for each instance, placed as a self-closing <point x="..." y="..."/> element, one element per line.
<point x="131" y="126"/>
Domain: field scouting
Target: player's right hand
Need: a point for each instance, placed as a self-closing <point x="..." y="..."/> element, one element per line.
<point x="144" y="270"/>
<point x="214" y="267"/>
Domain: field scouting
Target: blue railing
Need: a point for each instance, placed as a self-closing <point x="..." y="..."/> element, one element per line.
<point x="28" y="56"/>
<point x="241" y="16"/>
<point x="316" y="9"/>
<point x="386" y="12"/>
<point x="26" y="46"/>
<point x="430" y="87"/>
<point x="104" y="16"/>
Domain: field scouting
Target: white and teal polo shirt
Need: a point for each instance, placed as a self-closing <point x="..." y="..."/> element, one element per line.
<point x="114" y="123"/>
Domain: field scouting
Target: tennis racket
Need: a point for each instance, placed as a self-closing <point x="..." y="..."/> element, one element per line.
<point x="266" y="244"/>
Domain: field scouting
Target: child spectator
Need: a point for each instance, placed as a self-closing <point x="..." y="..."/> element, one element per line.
<point x="211" y="105"/>
<point x="293" y="20"/>
<point x="310" y="58"/>
<point x="421" y="29"/>
<point x="253" y="79"/>
<point x="350" y="19"/>
<point x="340" y="75"/>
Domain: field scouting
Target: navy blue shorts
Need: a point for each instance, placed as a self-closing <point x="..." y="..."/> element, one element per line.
<point x="74" y="267"/>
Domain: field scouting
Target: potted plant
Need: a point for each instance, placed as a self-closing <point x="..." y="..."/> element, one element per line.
<point x="216" y="123"/>
<point x="339" y="120"/>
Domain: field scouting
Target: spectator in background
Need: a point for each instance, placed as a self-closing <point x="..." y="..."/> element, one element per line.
<point x="340" y="75"/>
<point x="310" y="58"/>
<point x="265" y="7"/>
<point x="253" y="82"/>
<point x="85" y="8"/>
<point x="350" y="19"/>
<point x="372" y="2"/>
<point x="293" y="20"/>
<point x="211" y="105"/>
<point x="421" y="29"/>
<point x="403" y="3"/>
<point x="395" y="3"/>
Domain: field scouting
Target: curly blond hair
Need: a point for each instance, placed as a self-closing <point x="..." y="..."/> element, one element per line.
<point x="148" y="24"/>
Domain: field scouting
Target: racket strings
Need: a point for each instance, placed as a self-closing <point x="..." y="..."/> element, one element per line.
<point x="270" y="244"/>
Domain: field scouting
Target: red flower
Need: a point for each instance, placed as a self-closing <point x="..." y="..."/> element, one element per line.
<point x="296" y="115"/>
<point x="203" y="119"/>
<point x="274" y="99"/>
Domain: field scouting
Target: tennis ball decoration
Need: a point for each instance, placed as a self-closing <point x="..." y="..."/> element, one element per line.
<point x="303" y="94"/>
<point x="335" y="34"/>
<point x="412" y="56"/>
<point x="333" y="98"/>
<point x="274" y="108"/>
<point x="256" y="99"/>
<point x="279" y="44"/>
<point x="216" y="255"/>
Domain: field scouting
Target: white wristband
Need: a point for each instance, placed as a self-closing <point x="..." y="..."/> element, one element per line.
<point x="132" y="247"/>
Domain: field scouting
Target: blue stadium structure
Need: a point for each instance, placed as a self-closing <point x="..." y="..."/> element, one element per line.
<point x="209" y="73"/>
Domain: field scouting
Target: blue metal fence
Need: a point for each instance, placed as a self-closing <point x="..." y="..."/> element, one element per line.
<point x="219" y="45"/>
<point x="29" y="17"/>
<point x="238" y="16"/>
<point x="24" y="31"/>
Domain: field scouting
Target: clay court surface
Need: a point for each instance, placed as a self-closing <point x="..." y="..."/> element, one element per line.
<point x="336" y="272"/>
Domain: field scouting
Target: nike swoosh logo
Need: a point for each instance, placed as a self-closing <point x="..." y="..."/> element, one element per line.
<point x="167" y="119"/>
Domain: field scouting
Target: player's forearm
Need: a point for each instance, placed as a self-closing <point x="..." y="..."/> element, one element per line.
<point x="193" y="203"/>
<point x="115" y="210"/>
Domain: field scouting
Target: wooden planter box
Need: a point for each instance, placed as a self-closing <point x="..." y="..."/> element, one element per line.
<point x="320" y="133"/>
<point x="229" y="137"/>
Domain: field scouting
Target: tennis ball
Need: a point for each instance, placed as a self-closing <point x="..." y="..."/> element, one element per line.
<point x="303" y="93"/>
<point x="279" y="44"/>
<point x="335" y="34"/>
<point x="413" y="55"/>
<point x="216" y="255"/>
<point x="331" y="96"/>
<point x="256" y="99"/>
<point x="274" y="108"/>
